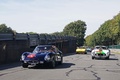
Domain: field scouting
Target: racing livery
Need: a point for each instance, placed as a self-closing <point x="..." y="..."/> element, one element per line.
<point x="48" y="55"/>
<point x="100" y="52"/>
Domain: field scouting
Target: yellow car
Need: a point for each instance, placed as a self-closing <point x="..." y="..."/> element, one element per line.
<point x="81" y="50"/>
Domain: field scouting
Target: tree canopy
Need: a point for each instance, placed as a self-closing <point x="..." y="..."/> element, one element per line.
<point x="57" y="33"/>
<point x="5" y="29"/>
<point x="77" y="29"/>
<point x="107" y="34"/>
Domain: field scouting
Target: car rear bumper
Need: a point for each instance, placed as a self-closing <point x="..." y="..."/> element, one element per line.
<point x="79" y="52"/>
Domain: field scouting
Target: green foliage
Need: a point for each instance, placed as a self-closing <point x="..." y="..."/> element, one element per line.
<point x="5" y="29"/>
<point x="88" y="40"/>
<point x="107" y="34"/>
<point x="57" y="33"/>
<point x="31" y="32"/>
<point x="77" y="29"/>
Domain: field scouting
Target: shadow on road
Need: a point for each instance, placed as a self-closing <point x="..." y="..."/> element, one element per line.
<point x="64" y="65"/>
<point x="107" y="59"/>
<point x="68" y="54"/>
<point x="16" y="64"/>
<point x="10" y="65"/>
<point x="113" y="59"/>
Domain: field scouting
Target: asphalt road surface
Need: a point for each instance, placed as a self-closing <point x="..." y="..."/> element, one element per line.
<point x="74" y="67"/>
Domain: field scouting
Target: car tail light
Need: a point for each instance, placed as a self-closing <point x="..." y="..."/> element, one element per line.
<point x="31" y="56"/>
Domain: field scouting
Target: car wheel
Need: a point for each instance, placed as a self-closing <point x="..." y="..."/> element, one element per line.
<point x="93" y="57"/>
<point x="24" y="65"/>
<point x="107" y="57"/>
<point x="52" y="64"/>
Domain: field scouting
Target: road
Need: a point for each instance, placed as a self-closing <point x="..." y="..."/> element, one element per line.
<point x="74" y="67"/>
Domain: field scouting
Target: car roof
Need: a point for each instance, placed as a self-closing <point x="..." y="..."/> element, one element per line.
<point x="100" y="46"/>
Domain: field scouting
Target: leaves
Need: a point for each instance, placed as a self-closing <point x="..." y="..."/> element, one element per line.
<point x="77" y="29"/>
<point x="107" y="34"/>
<point x="5" y="29"/>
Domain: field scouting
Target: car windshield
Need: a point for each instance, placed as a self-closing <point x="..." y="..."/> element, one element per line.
<point x="42" y="49"/>
<point x="97" y="47"/>
<point x="102" y="47"/>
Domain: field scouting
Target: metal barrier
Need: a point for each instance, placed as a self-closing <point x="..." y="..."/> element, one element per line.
<point x="114" y="46"/>
<point x="13" y="45"/>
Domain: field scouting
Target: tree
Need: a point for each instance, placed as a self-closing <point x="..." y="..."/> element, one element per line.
<point x="5" y="29"/>
<point x="57" y="33"/>
<point x="77" y="29"/>
<point x="31" y="32"/>
<point x="107" y="34"/>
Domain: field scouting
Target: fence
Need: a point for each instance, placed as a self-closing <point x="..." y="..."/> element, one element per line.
<point x="114" y="46"/>
<point x="13" y="45"/>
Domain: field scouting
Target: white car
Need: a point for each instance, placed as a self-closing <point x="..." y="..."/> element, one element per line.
<point x="100" y="52"/>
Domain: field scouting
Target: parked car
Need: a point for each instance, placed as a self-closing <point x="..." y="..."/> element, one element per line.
<point x="100" y="52"/>
<point x="80" y="50"/>
<point x="46" y="55"/>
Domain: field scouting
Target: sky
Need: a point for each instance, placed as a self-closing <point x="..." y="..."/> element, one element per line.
<point x="49" y="16"/>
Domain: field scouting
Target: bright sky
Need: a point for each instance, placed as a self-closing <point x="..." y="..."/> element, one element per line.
<point x="48" y="16"/>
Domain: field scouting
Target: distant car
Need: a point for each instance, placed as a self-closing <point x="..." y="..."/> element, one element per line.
<point x="81" y="50"/>
<point x="88" y="49"/>
<point x="47" y="55"/>
<point x="100" y="52"/>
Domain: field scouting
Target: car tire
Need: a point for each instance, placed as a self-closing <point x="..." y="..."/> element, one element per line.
<point x="53" y="63"/>
<point x="93" y="57"/>
<point x="24" y="65"/>
<point x="85" y="52"/>
<point x="107" y="57"/>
